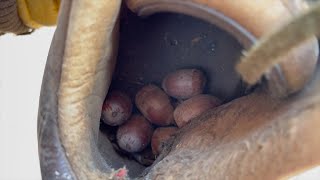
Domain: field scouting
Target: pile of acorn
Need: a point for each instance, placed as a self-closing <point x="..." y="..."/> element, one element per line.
<point x="135" y="131"/>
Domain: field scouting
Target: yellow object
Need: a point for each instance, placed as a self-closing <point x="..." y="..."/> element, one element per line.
<point x="37" y="13"/>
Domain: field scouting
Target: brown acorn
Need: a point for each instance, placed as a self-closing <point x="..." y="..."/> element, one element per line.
<point x="135" y="134"/>
<point x="155" y="105"/>
<point x="116" y="108"/>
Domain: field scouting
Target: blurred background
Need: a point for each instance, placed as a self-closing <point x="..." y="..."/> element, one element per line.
<point x="22" y="63"/>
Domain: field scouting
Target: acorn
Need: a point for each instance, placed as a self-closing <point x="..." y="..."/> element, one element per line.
<point x="135" y="134"/>
<point x="184" y="83"/>
<point x="155" y="105"/>
<point x="160" y="137"/>
<point x="194" y="107"/>
<point x="116" y="109"/>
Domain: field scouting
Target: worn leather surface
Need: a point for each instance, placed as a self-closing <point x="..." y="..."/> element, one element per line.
<point x="256" y="16"/>
<point x="253" y="137"/>
<point x="63" y="150"/>
<point x="53" y="160"/>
